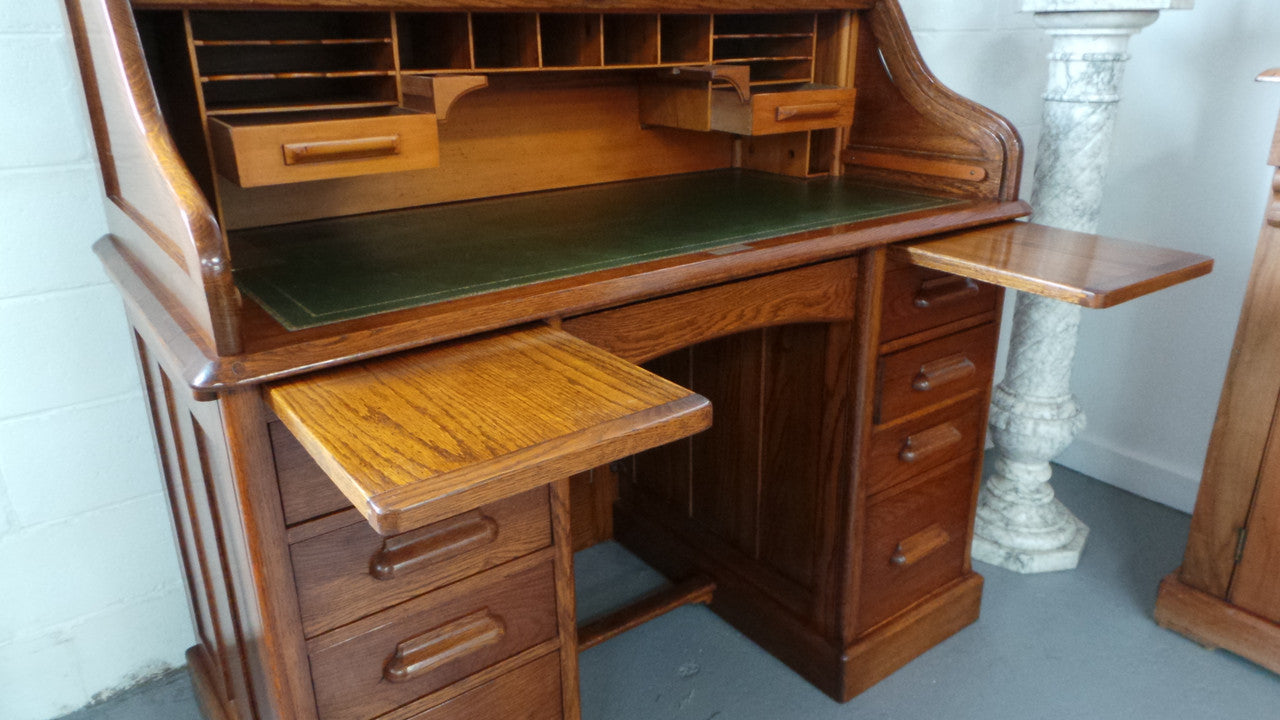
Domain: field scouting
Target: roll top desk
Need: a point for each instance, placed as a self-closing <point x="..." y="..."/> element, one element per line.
<point x="428" y="294"/>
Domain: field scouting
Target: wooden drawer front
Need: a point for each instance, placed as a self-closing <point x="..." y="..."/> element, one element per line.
<point x="903" y="450"/>
<point x="917" y="299"/>
<point x="253" y="153"/>
<point x="933" y="372"/>
<point x="531" y="692"/>
<point x="305" y="491"/>
<point x="915" y="540"/>
<point x="382" y="662"/>
<point x="353" y="571"/>
<point x="769" y="113"/>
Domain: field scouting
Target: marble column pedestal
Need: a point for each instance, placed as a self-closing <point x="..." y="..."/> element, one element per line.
<point x="1020" y="525"/>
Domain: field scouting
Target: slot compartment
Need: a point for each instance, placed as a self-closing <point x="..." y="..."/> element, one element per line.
<point x="571" y="40"/>
<point x="686" y="38"/>
<point x="434" y="41"/>
<point x="505" y="40"/>
<point x="631" y="40"/>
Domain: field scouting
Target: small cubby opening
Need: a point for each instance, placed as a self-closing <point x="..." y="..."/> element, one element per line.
<point x="248" y="27"/>
<point x="434" y="41"/>
<point x="754" y="48"/>
<point x="571" y="40"/>
<point x="298" y="94"/>
<point x="631" y="40"/>
<point x="505" y="40"/>
<point x="686" y="38"/>
<point x="822" y="151"/>
<point x="764" y="24"/>
<point x="223" y="62"/>
<point x="781" y="71"/>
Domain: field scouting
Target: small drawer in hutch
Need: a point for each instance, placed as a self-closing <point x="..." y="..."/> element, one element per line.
<point x="256" y="150"/>
<point x="790" y="109"/>
<point x="918" y="299"/>
<point x="915" y="539"/>
<point x="353" y="571"/>
<point x="384" y="661"/>
<point x="935" y="371"/>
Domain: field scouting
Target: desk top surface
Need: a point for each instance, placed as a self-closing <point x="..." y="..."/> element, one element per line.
<point x="315" y="273"/>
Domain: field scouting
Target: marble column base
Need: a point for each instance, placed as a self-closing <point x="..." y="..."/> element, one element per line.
<point x="1037" y="559"/>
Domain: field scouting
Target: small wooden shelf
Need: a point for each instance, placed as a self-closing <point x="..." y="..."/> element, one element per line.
<point x="298" y="108"/>
<point x="277" y="42"/>
<point x="1088" y="270"/>
<point x="305" y="75"/>
<point x="416" y="438"/>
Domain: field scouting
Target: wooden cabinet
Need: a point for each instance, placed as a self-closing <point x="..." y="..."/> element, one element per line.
<point x="1227" y="592"/>
<point x="398" y="270"/>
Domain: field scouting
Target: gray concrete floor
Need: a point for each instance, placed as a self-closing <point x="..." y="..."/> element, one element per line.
<point x="1079" y="644"/>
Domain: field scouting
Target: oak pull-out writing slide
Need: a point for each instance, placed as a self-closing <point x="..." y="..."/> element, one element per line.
<point x="417" y="437"/>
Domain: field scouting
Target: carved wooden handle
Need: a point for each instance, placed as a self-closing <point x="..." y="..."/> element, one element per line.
<point x="940" y="372"/>
<point x="347" y="149"/>
<point x="433" y="543"/>
<point x="919" y="546"/>
<point x="944" y="290"/>
<point x="435" y="647"/>
<point x="806" y="112"/>
<point x="927" y="442"/>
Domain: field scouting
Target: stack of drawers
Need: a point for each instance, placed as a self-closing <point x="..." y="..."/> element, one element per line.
<point x="935" y="360"/>
<point x="456" y="619"/>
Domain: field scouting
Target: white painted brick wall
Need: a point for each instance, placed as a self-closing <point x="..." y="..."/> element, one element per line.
<point x="90" y="589"/>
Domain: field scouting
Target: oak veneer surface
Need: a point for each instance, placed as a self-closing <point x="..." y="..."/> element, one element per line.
<point x="313" y="273"/>
<point x="1088" y="270"/>
<point x="418" y="437"/>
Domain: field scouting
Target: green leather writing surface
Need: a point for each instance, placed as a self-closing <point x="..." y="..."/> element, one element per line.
<point x="313" y="273"/>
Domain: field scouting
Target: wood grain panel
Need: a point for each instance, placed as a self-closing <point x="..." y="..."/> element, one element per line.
<point x="162" y="216"/>
<point x="798" y="469"/>
<point x="665" y="473"/>
<point x="419" y="437"/>
<point x="726" y="459"/>
<point x="646" y="330"/>
<point x="1246" y="411"/>
<point x="1255" y="586"/>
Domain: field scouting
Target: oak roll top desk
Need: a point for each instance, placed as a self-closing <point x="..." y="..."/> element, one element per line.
<point x="427" y="294"/>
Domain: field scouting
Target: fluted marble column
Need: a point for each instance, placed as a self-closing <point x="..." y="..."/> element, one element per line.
<point x="1020" y="524"/>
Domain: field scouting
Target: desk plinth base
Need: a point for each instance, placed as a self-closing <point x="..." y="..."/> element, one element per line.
<point x="211" y="706"/>
<point x="841" y="673"/>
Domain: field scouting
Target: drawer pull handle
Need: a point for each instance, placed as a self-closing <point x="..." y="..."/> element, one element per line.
<point x="928" y="442"/>
<point x="920" y="546"/>
<point x="944" y="291"/>
<point x="433" y="648"/>
<point x="319" y="151"/>
<point x="940" y="372"/>
<point x="448" y="538"/>
<point x="807" y="112"/>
